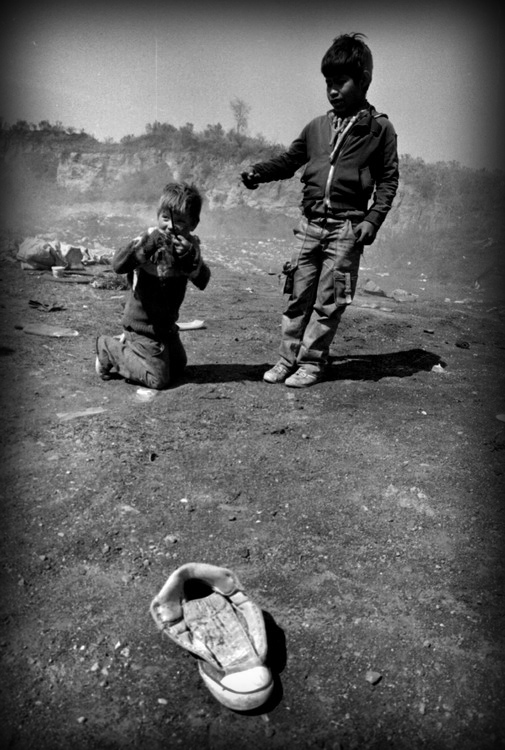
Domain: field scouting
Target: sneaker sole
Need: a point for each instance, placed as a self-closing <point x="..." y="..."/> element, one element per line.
<point x="304" y="384"/>
<point x="277" y="380"/>
<point x="274" y="382"/>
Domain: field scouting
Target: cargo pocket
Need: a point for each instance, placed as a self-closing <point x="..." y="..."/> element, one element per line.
<point x="288" y="272"/>
<point x="346" y="247"/>
<point x="147" y="348"/>
<point x="344" y="285"/>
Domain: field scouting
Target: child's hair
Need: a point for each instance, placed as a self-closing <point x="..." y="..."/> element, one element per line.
<point x="350" y="55"/>
<point x="181" y="197"/>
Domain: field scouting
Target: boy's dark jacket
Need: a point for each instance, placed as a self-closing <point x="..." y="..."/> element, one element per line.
<point x="368" y="159"/>
<point x="152" y="307"/>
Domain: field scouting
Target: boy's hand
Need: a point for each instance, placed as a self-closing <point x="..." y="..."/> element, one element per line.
<point x="153" y="243"/>
<point x="181" y="245"/>
<point x="250" y="179"/>
<point x="365" y="233"/>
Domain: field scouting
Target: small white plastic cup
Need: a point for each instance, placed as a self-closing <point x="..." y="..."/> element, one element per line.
<point x="58" y="271"/>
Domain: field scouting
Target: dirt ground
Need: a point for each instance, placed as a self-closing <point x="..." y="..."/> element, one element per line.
<point x="364" y="515"/>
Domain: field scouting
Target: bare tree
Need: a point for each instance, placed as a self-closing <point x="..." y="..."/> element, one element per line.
<point x="241" y="111"/>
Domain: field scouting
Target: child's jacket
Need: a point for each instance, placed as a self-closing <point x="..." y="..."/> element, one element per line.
<point x="366" y="165"/>
<point x="153" y="304"/>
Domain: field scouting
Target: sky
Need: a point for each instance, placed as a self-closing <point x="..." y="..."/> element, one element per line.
<point x="110" y="67"/>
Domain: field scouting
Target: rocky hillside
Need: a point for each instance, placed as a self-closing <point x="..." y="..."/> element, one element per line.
<point x="446" y="214"/>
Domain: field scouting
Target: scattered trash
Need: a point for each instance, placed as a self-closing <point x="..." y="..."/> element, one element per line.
<point x="67" y="415"/>
<point x="203" y="609"/>
<point x="74" y="279"/>
<point x="38" y="254"/>
<point x="73" y="255"/>
<point x="400" y="295"/>
<point x="110" y="281"/>
<point x="90" y="258"/>
<point x="191" y="325"/>
<point x="128" y="508"/>
<point x="373" y="677"/>
<point x="428" y="330"/>
<point x="58" y="271"/>
<point x="45" y="306"/>
<point x="462" y="344"/>
<point x="370" y="287"/>
<point x="437" y="368"/>
<point x="40" y="329"/>
<point x="145" y="394"/>
<point x="42" y="253"/>
<point x="372" y="305"/>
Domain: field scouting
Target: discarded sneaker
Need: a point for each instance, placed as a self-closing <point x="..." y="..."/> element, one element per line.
<point x="278" y="373"/>
<point x="303" y="378"/>
<point x="204" y="610"/>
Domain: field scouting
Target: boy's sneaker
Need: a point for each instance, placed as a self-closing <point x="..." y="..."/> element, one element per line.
<point x="102" y="365"/>
<point x="278" y="373"/>
<point x="102" y="370"/>
<point x="303" y="378"/>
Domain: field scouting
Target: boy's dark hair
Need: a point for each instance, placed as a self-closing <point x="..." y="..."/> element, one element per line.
<point x="350" y="55"/>
<point x="181" y="197"/>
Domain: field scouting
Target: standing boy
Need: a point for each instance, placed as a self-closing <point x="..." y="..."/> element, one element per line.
<point x="158" y="265"/>
<point x="350" y="159"/>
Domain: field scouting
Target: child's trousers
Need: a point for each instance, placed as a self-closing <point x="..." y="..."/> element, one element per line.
<point x="321" y="282"/>
<point x="143" y="360"/>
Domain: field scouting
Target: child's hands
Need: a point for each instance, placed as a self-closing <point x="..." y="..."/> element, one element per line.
<point x="181" y="244"/>
<point x="250" y="179"/>
<point x="153" y="243"/>
<point x="365" y="233"/>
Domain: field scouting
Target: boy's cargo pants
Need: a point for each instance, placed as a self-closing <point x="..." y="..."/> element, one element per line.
<point x="320" y="280"/>
<point x="143" y="360"/>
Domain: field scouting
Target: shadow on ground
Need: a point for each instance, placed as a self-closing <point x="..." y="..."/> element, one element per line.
<point x="371" y="367"/>
<point x="377" y="366"/>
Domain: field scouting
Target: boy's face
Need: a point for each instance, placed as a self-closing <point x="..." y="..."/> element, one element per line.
<point x="176" y="221"/>
<point x="345" y="95"/>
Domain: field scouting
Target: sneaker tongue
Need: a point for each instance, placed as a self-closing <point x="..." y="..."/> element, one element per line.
<point x="214" y="624"/>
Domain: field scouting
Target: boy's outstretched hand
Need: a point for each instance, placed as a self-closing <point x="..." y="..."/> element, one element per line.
<point x="250" y="179"/>
<point x="365" y="233"/>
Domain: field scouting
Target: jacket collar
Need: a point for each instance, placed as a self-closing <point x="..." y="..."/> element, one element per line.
<point x="366" y="123"/>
